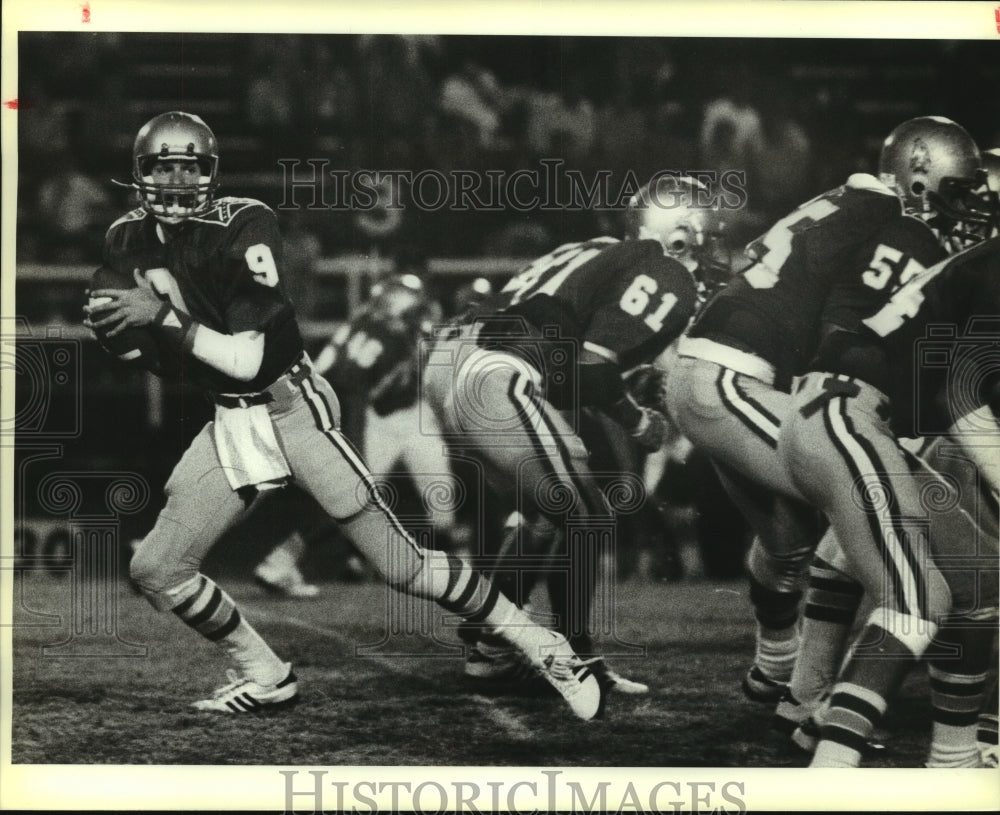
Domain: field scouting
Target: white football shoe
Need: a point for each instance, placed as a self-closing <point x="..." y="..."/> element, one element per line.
<point x="284" y="584"/>
<point x="242" y="695"/>
<point x="570" y="676"/>
<point x="613" y="682"/>
<point x="990" y="754"/>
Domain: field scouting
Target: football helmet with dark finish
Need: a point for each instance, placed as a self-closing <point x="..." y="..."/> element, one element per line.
<point x="166" y="140"/>
<point x="934" y="166"/>
<point x="681" y="214"/>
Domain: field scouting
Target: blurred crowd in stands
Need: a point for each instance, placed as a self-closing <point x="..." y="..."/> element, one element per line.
<point x="794" y="116"/>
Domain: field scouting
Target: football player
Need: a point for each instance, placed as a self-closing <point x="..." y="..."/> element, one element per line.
<point x="833" y="596"/>
<point x="877" y="378"/>
<point x="556" y="338"/>
<point x="885" y="367"/>
<point x="200" y="288"/>
<point x="729" y="390"/>
<point x="371" y="362"/>
<point x="860" y="398"/>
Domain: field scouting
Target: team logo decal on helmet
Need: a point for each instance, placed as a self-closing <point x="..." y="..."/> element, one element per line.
<point x="920" y="159"/>
<point x="934" y="166"/>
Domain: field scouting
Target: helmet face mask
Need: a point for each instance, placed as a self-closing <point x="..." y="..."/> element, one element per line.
<point x="670" y="211"/>
<point x="165" y="148"/>
<point x="934" y="166"/>
<point x="990" y="190"/>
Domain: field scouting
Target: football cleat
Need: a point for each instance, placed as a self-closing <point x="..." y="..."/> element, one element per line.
<point x="807" y="736"/>
<point x="790" y="714"/>
<point x="990" y="754"/>
<point x="289" y="584"/>
<point x="761" y="688"/>
<point x="243" y="695"/>
<point x="612" y="681"/>
<point x="571" y="677"/>
<point x="498" y="664"/>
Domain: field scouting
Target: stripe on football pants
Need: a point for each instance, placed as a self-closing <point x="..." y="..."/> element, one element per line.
<point x="542" y="437"/>
<point x="751" y="413"/>
<point x="523" y="395"/>
<point x="323" y="417"/>
<point x="864" y="464"/>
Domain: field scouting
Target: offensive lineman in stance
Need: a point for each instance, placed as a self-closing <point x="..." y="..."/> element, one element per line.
<point x="971" y="470"/>
<point x="558" y="337"/>
<point x="729" y="391"/>
<point x="931" y="575"/>
<point x="901" y="356"/>
<point x="191" y="285"/>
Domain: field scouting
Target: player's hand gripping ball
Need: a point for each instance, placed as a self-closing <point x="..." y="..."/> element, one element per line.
<point x="135" y="345"/>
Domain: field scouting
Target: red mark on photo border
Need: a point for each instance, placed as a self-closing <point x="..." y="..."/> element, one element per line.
<point x="12" y="104"/>
<point x="996" y="14"/>
<point x="86" y="12"/>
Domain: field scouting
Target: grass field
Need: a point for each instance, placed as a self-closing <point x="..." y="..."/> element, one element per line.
<point x="388" y="708"/>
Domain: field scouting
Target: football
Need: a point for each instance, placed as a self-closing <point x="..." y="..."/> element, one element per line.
<point x="135" y="345"/>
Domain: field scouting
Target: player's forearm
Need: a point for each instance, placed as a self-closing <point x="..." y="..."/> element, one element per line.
<point x="236" y="355"/>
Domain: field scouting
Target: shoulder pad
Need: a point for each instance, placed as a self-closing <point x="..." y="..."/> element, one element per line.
<point x="866" y="181"/>
<point x="136" y="214"/>
<point x="225" y="210"/>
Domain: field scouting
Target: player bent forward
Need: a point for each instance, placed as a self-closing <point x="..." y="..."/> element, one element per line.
<point x="197" y="293"/>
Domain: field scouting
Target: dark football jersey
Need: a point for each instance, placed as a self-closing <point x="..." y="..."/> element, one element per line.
<point x="940" y="332"/>
<point x="223" y="269"/>
<point x="623" y="300"/>
<point x="377" y="361"/>
<point x="904" y="248"/>
<point x="773" y="308"/>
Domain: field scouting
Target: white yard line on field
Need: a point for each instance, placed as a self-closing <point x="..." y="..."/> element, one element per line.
<point x="497" y="714"/>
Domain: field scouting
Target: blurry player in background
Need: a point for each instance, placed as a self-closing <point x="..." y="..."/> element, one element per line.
<point x="191" y="287"/>
<point x="557" y="338"/>
<point x="729" y="390"/>
<point x="376" y="357"/>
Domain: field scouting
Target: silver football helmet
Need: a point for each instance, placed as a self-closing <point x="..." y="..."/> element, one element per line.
<point x="680" y="214"/>
<point x="175" y="137"/>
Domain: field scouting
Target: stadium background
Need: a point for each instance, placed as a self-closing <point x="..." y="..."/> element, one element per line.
<point x="797" y="116"/>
